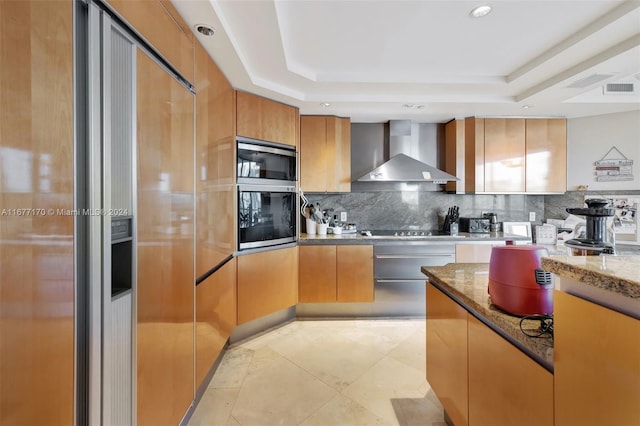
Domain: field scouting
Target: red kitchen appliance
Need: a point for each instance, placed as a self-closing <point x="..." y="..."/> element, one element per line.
<point x="517" y="283"/>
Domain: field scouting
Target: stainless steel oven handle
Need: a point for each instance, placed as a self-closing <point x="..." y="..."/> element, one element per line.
<point x="417" y="256"/>
<point x="267" y="149"/>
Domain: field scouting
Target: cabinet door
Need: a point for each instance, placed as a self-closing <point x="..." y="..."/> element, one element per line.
<point x="165" y="280"/>
<point x="215" y="317"/>
<point x="317" y="282"/>
<point x="355" y="273"/>
<point x="504" y="154"/>
<point x="314" y="155"/>
<point x="454" y="154"/>
<point x="267" y="283"/>
<point x="159" y="24"/>
<point x="37" y="251"/>
<point x="474" y="155"/>
<point x="447" y="354"/>
<point x="340" y="168"/>
<point x="546" y="151"/>
<point x="506" y="387"/>
<point x="215" y="161"/>
<point x="262" y="118"/>
<point x="596" y="364"/>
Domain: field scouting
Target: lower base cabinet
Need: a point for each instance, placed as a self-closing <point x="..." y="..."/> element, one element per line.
<point x="478" y="376"/>
<point x="267" y="283"/>
<point x="597" y="364"/>
<point x="506" y="387"/>
<point x="336" y="273"/>
<point x="447" y="354"/>
<point x="215" y="317"/>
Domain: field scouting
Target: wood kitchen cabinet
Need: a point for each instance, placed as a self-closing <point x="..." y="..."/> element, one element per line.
<point x="546" y="155"/>
<point x="447" y="354"/>
<point x="264" y="119"/>
<point x="478" y="376"/>
<point x="596" y="364"/>
<point x="511" y="155"/>
<point x="267" y="283"/>
<point x="504" y="154"/>
<point x="215" y="164"/>
<point x="506" y="387"/>
<point x="325" y="153"/>
<point x="455" y="155"/>
<point x="354" y="273"/>
<point x="161" y="25"/>
<point x="335" y="273"/>
<point x="165" y="261"/>
<point x="216" y="317"/>
<point x="37" y="171"/>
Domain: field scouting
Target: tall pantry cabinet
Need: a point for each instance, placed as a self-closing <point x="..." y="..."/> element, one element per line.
<point x="55" y="152"/>
<point x="37" y="307"/>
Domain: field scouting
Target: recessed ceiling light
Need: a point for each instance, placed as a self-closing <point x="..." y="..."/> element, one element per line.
<point x="480" y="11"/>
<point x="325" y="104"/>
<point x="527" y="106"/>
<point x="205" y="30"/>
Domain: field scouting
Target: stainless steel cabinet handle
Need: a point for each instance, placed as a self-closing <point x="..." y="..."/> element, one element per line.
<point x="402" y="281"/>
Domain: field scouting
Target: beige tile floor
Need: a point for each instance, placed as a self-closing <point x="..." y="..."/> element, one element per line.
<point x="324" y="373"/>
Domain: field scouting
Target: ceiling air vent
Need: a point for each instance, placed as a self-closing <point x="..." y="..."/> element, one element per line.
<point x="617" y="88"/>
<point x="589" y="80"/>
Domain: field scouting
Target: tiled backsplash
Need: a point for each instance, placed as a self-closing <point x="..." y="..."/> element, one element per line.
<point x="402" y="210"/>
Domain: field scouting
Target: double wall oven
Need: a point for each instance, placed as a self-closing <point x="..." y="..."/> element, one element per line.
<point x="266" y="177"/>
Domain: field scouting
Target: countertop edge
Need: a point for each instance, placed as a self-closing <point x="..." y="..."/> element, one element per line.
<point x="603" y="279"/>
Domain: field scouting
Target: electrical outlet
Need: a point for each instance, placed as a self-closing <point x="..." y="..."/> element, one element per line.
<point x="343" y="216"/>
<point x="532" y="216"/>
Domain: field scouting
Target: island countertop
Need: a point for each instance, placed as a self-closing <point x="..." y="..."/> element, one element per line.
<point x="467" y="285"/>
<point x="617" y="274"/>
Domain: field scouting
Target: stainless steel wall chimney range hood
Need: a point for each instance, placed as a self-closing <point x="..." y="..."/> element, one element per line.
<point x="404" y="164"/>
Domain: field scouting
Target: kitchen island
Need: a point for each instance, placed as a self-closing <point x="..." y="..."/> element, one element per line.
<point x="587" y="374"/>
<point x="480" y="364"/>
<point x="597" y="339"/>
<point x="467" y="285"/>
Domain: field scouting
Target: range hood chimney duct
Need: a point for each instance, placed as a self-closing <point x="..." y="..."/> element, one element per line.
<point x="402" y="166"/>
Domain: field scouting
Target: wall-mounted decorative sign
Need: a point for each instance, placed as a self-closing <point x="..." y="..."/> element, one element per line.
<point x="613" y="169"/>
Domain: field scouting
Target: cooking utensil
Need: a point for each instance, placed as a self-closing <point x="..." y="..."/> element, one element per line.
<point x="303" y="206"/>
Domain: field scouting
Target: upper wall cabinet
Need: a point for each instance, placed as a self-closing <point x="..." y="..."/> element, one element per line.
<point x="264" y="119"/>
<point x="325" y="153"/>
<point x="546" y="155"/>
<point x="454" y="155"/>
<point x="510" y="155"/>
<point x="504" y="155"/>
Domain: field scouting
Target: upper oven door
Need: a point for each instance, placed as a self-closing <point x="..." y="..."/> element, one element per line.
<point x="266" y="215"/>
<point x="261" y="162"/>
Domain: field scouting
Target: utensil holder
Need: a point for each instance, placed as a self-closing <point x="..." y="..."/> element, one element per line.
<point x="311" y="227"/>
<point x="322" y="228"/>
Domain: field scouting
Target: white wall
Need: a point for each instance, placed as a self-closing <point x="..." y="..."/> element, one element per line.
<point x="589" y="139"/>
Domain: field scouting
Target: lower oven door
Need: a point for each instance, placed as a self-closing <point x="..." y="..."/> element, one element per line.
<point x="266" y="215"/>
<point x="397" y="269"/>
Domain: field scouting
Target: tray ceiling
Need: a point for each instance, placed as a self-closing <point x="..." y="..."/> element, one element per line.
<point x="427" y="61"/>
